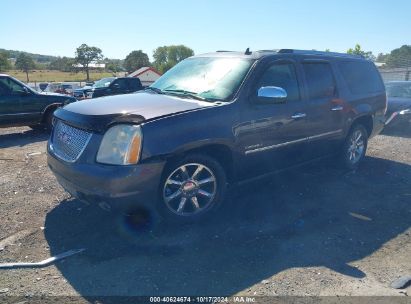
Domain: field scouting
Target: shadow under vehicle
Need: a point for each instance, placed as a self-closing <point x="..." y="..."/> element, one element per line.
<point x="297" y="219"/>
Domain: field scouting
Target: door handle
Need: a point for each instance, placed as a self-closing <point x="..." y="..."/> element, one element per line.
<point x="337" y="108"/>
<point x="298" y="115"/>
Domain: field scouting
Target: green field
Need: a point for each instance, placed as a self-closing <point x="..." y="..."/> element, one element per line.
<point x="51" y="76"/>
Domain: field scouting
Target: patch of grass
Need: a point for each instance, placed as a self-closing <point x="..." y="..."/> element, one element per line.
<point x="56" y="76"/>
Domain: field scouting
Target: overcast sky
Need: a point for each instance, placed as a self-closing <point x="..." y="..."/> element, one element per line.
<point x="120" y="26"/>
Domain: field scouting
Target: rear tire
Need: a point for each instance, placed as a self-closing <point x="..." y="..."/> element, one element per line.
<point x="191" y="189"/>
<point x="355" y="147"/>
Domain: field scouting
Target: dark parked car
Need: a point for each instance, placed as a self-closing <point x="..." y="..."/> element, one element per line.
<point x="86" y="91"/>
<point x="114" y="86"/>
<point x="399" y="103"/>
<point x="212" y="120"/>
<point x="22" y="106"/>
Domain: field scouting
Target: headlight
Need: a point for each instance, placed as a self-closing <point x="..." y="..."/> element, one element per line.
<point x="121" y="145"/>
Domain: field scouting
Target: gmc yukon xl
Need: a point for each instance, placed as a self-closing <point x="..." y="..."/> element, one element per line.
<point x="213" y="120"/>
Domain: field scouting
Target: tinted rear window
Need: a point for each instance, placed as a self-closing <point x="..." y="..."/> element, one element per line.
<point x="361" y="77"/>
<point x="320" y="80"/>
<point x="134" y="84"/>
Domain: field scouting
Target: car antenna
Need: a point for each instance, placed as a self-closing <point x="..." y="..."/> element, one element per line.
<point x="247" y="51"/>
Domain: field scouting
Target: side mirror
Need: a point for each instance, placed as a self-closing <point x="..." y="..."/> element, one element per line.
<point x="115" y="86"/>
<point x="271" y="95"/>
<point x="25" y="91"/>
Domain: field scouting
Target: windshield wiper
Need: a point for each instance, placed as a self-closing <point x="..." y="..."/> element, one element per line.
<point x="187" y="93"/>
<point x="153" y="89"/>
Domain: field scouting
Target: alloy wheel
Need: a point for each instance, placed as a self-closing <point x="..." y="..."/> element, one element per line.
<point x="356" y="146"/>
<point x="190" y="189"/>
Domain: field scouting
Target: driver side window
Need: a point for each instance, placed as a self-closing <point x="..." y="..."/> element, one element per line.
<point x="281" y="75"/>
<point x="9" y="87"/>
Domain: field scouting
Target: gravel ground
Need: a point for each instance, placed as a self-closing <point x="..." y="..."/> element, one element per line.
<point x="312" y="231"/>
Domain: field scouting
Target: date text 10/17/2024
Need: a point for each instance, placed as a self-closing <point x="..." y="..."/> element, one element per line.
<point x="235" y="299"/>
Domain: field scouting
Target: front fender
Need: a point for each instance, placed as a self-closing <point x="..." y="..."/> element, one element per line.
<point x="203" y="143"/>
<point x="173" y="135"/>
<point x="54" y="105"/>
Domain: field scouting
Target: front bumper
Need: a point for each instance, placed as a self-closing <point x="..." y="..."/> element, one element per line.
<point x="118" y="187"/>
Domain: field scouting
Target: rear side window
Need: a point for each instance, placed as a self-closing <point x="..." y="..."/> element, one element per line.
<point x="134" y="84"/>
<point x="4" y="90"/>
<point x="361" y="77"/>
<point x="122" y="83"/>
<point x="320" y="80"/>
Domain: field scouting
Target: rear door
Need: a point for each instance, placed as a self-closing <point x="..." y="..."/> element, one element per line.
<point x="325" y="109"/>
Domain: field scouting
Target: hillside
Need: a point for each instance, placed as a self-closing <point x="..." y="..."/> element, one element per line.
<point x="36" y="57"/>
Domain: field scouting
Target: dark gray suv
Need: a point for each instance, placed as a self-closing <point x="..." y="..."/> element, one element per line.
<point x="213" y="120"/>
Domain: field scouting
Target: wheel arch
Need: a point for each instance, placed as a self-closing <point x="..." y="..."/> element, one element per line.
<point x="50" y="107"/>
<point x="366" y="121"/>
<point x="222" y="153"/>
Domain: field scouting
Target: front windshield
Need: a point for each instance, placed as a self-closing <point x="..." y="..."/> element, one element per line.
<point x="105" y="82"/>
<point x="402" y="90"/>
<point x="213" y="78"/>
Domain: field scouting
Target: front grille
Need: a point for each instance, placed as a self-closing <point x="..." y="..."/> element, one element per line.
<point x="68" y="142"/>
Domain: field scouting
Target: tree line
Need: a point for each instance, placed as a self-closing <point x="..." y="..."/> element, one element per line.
<point x="165" y="57"/>
<point x="397" y="58"/>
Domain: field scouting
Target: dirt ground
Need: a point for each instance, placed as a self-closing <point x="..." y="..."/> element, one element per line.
<point x="312" y="231"/>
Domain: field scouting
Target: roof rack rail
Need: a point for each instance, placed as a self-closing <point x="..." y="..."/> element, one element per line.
<point x="312" y="52"/>
<point x="268" y="51"/>
<point x="223" y="51"/>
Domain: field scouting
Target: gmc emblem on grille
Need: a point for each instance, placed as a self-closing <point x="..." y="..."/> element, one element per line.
<point x="64" y="137"/>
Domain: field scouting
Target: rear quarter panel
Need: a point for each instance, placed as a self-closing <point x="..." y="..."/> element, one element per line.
<point x="357" y="105"/>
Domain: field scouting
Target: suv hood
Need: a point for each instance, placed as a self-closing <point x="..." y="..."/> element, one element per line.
<point x="147" y="105"/>
<point x="51" y="94"/>
<point x="97" y="114"/>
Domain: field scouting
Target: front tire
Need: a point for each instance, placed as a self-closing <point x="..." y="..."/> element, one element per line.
<point x="48" y="119"/>
<point x="355" y="147"/>
<point x="191" y="189"/>
<point x="37" y="127"/>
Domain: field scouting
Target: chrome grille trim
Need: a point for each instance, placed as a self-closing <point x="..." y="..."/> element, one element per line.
<point x="67" y="142"/>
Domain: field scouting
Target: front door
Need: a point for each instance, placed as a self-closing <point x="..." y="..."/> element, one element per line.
<point x="273" y="136"/>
